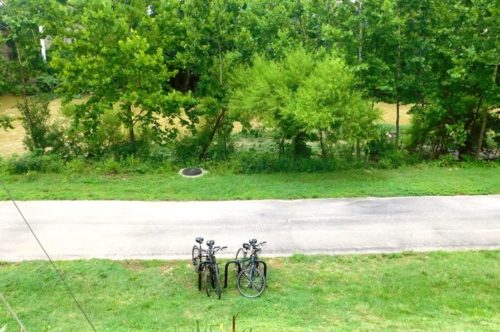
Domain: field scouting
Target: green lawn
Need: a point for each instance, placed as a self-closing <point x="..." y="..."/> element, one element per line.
<point x="395" y="292"/>
<point x="405" y="181"/>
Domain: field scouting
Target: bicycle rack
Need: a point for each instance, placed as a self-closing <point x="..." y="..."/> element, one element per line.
<point x="226" y="268"/>
<point x="265" y="267"/>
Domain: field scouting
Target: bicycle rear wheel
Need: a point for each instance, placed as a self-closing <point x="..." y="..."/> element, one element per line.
<point x="208" y="281"/>
<point x="251" y="282"/>
<point x="195" y="258"/>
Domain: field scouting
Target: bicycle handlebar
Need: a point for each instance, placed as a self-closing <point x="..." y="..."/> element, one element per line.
<point x="217" y="248"/>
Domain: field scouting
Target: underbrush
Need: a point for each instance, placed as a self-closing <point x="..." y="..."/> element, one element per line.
<point x="245" y="162"/>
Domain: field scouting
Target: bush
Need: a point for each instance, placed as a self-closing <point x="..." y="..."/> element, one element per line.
<point x="250" y="162"/>
<point x="77" y="165"/>
<point x="33" y="162"/>
<point x="111" y="166"/>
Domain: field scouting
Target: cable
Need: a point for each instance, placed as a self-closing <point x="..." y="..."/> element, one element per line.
<point x="50" y="259"/>
<point x="13" y="313"/>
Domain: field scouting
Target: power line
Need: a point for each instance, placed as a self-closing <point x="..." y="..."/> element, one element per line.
<point x="50" y="259"/>
<point x="13" y="313"/>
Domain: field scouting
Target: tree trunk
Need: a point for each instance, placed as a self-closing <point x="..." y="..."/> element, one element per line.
<point x="358" y="149"/>
<point x="130" y="120"/>
<point x="26" y="112"/>
<point x="360" y="46"/>
<point x="322" y="144"/>
<point x="397" y="120"/>
<point x="216" y="126"/>
<point x="222" y="113"/>
<point x="281" y="147"/>
<point x="398" y="77"/>
<point x="484" y="119"/>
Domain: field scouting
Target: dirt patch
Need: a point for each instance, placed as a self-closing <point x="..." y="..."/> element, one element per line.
<point x="133" y="265"/>
<point x="274" y="263"/>
<point x="167" y="268"/>
<point x="389" y="113"/>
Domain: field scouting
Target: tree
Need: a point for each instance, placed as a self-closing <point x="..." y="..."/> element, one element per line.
<point x="329" y="104"/>
<point x="214" y="42"/>
<point x="265" y="92"/>
<point x="303" y="96"/>
<point x="461" y="84"/>
<point x="110" y="58"/>
<point x="21" y="22"/>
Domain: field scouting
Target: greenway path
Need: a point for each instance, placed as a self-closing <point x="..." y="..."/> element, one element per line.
<point x="165" y="230"/>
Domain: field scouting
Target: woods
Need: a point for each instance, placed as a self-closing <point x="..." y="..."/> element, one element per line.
<point x="184" y="81"/>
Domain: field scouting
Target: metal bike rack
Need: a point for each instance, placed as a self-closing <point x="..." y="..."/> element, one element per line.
<point x="265" y="267"/>
<point x="226" y="268"/>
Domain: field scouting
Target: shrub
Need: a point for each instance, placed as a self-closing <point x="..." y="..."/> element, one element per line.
<point x="34" y="162"/>
<point x="111" y="166"/>
<point x="250" y="162"/>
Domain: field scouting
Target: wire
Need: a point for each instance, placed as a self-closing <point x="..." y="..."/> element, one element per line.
<point x="50" y="259"/>
<point x="13" y="313"/>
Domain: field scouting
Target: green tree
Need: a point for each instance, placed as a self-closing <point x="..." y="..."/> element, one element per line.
<point x="329" y="104"/>
<point x="303" y="96"/>
<point x="23" y="24"/>
<point x="106" y="53"/>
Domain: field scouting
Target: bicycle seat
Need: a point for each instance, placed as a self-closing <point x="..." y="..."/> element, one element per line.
<point x="253" y="241"/>
<point x="199" y="240"/>
<point x="210" y="243"/>
<point x="246" y="246"/>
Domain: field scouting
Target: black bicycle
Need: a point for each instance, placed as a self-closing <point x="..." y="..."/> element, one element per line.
<point x="197" y="254"/>
<point x="212" y="279"/>
<point x="251" y="279"/>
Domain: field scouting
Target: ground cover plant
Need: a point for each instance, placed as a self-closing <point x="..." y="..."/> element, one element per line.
<point x="224" y="185"/>
<point x="453" y="291"/>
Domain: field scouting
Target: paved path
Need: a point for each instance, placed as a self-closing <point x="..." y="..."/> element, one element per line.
<point x="123" y="230"/>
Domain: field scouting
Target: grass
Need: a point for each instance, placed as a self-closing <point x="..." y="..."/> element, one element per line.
<point x="437" y="291"/>
<point x="405" y="181"/>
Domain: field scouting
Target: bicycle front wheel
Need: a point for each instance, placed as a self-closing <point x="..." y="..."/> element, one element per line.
<point x="240" y="257"/>
<point x="251" y="282"/>
<point x="217" y="283"/>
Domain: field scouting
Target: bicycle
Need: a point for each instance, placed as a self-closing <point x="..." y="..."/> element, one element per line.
<point x="251" y="280"/>
<point x="212" y="280"/>
<point x="197" y="255"/>
<point x="241" y="256"/>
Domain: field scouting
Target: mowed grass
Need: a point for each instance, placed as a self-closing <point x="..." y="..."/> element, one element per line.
<point x="437" y="291"/>
<point x="405" y="181"/>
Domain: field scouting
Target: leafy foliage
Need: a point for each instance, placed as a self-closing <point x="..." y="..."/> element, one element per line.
<point x="175" y="75"/>
<point x="303" y="96"/>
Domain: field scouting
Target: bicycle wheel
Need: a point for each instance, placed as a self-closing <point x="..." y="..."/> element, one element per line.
<point x="208" y="281"/>
<point x="240" y="257"/>
<point x="195" y="257"/>
<point x="251" y="282"/>
<point x="217" y="283"/>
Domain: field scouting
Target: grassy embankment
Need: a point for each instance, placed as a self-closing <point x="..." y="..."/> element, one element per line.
<point x="395" y="292"/>
<point x="404" y="181"/>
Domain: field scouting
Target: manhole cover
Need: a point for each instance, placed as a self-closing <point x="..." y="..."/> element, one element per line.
<point x="192" y="171"/>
